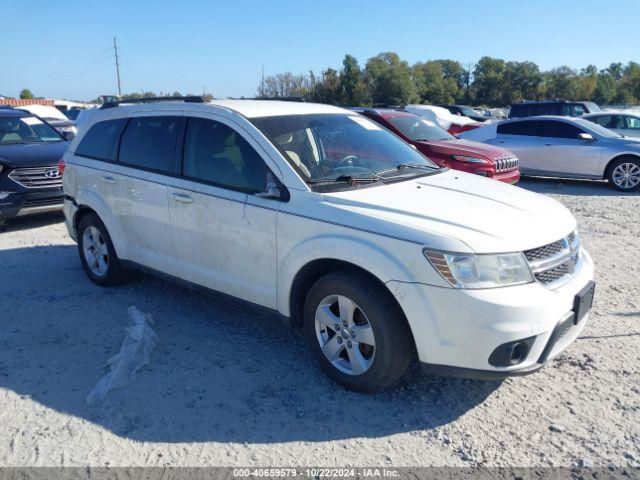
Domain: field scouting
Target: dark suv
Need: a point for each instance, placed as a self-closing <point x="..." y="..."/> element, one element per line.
<point x="552" y="107"/>
<point x="30" y="171"/>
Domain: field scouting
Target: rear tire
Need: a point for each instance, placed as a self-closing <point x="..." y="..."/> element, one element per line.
<point x="624" y="174"/>
<point x="356" y="331"/>
<point x="97" y="254"/>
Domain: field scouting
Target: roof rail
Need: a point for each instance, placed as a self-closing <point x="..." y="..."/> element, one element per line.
<point x="281" y="99"/>
<point x="190" y="99"/>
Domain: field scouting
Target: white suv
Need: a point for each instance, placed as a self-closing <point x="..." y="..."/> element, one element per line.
<point x="324" y="216"/>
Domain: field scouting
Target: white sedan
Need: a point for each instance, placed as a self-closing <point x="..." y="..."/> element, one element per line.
<point x="625" y="123"/>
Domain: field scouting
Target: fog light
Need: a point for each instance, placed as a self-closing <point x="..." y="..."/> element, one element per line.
<point x="511" y="353"/>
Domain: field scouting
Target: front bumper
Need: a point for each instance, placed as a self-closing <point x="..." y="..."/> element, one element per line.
<point x="16" y="204"/>
<point x="456" y="330"/>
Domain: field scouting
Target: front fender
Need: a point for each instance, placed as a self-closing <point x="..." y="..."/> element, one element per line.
<point x="361" y="252"/>
<point x="89" y="199"/>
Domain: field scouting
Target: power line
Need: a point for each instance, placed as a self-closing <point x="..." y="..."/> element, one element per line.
<point x="71" y="69"/>
<point x="72" y="74"/>
<point x="63" y="62"/>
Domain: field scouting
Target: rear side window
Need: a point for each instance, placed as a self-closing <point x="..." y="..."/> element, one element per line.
<point x="529" y="128"/>
<point x="150" y="143"/>
<point x="217" y="154"/>
<point x="560" y="130"/>
<point x="603" y="120"/>
<point x="101" y="140"/>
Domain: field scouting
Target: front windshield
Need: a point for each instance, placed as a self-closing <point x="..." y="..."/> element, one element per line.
<point x="593" y="107"/>
<point x="26" y="130"/>
<point x="417" y="129"/>
<point x="331" y="147"/>
<point x="599" y="129"/>
<point x="468" y="111"/>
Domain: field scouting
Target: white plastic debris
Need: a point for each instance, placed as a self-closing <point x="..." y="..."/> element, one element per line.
<point x="139" y="342"/>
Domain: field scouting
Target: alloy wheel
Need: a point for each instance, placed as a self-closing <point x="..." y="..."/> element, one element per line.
<point x="345" y="335"/>
<point x="626" y="175"/>
<point x="95" y="251"/>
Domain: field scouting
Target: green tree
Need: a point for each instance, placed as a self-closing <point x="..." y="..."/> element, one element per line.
<point x="488" y="81"/>
<point x="389" y="80"/>
<point x="25" y="93"/>
<point x="438" y="81"/>
<point x="353" y="89"/>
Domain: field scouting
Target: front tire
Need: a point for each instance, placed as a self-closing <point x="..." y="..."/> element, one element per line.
<point x="356" y="331"/>
<point x="624" y="174"/>
<point x="97" y="254"/>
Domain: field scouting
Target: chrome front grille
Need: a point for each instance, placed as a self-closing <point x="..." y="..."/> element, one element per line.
<point x="555" y="263"/>
<point x="37" y="177"/>
<point x="506" y="163"/>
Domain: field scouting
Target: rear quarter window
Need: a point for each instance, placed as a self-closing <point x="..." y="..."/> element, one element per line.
<point x="101" y="140"/>
<point x="529" y="128"/>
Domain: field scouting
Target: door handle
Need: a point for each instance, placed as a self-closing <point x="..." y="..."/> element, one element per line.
<point x="181" y="197"/>
<point x="548" y="144"/>
<point x="109" y="180"/>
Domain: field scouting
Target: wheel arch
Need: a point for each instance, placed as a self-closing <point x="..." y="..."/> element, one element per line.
<point x="609" y="166"/>
<point x="88" y="202"/>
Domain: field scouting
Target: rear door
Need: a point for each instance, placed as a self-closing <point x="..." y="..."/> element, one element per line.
<point x="563" y="152"/>
<point x="147" y="157"/>
<point x="521" y="138"/>
<point x="224" y="231"/>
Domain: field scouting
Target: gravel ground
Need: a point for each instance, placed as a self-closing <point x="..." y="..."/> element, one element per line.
<point x="229" y="385"/>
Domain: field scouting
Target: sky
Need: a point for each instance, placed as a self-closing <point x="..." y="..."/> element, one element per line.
<point x="64" y="49"/>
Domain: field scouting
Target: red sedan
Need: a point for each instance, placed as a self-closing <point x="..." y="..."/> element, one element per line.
<point x="445" y="149"/>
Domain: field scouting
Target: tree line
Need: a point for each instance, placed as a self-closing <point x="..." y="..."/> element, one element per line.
<point x="386" y="79"/>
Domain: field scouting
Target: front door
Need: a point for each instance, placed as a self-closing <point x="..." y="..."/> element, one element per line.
<point x="562" y="151"/>
<point x="225" y="235"/>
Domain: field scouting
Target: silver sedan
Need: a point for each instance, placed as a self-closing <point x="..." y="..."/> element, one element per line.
<point x="565" y="147"/>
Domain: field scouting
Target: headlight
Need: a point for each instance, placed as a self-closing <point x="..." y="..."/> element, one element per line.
<point x="464" y="158"/>
<point x="465" y="270"/>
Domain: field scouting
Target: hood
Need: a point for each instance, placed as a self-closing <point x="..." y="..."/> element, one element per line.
<point x="32" y="154"/>
<point x="456" y="211"/>
<point x="467" y="147"/>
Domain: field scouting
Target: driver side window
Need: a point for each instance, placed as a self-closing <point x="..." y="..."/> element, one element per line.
<point x="217" y="154"/>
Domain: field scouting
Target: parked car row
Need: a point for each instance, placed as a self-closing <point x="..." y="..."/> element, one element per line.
<point x="333" y="218"/>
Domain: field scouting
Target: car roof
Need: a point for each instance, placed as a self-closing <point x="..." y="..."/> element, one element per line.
<point x="247" y="108"/>
<point x="14" y="112"/>
<point x="583" y="122"/>
<point x="611" y="112"/>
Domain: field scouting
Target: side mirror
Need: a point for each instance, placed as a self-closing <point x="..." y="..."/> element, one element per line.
<point x="273" y="189"/>
<point x="586" y="136"/>
<point x="68" y="135"/>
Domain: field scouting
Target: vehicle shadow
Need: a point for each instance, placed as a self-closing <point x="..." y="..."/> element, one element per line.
<point x="222" y="371"/>
<point x="571" y="187"/>
<point x="35" y="221"/>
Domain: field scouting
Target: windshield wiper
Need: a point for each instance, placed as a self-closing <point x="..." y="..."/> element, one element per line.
<point x="350" y="179"/>
<point x="414" y="165"/>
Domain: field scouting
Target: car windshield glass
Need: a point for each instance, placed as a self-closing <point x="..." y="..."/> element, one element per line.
<point x="416" y="129"/>
<point x="599" y="129"/>
<point x="468" y="111"/>
<point x="334" y="147"/>
<point x="593" y="107"/>
<point x="26" y="130"/>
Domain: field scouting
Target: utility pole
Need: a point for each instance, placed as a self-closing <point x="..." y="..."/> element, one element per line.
<point x="115" y="49"/>
<point x="262" y="83"/>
